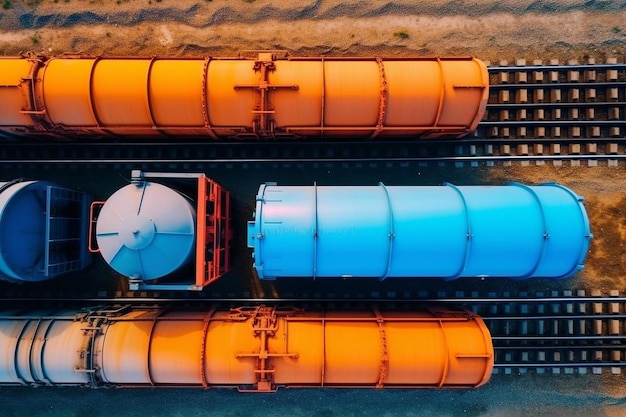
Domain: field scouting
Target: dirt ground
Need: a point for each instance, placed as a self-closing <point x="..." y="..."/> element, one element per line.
<point x="604" y="193"/>
<point x="490" y="30"/>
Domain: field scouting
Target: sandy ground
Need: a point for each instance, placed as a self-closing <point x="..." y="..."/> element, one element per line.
<point x="491" y="30"/>
<point x="604" y="193"/>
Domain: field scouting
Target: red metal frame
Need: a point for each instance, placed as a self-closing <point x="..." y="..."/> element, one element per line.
<point x="213" y="233"/>
<point x="93" y="219"/>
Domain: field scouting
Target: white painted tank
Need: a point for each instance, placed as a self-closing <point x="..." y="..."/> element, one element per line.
<point x="146" y="230"/>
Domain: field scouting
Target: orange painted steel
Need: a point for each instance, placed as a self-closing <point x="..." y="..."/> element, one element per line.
<point x="250" y="348"/>
<point x="265" y="96"/>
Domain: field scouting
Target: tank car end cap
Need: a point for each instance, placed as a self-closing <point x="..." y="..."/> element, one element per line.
<point x="146" y="231"/>
<point x="137" y="232"/>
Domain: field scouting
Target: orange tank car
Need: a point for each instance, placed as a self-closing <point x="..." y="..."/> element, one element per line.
<point x="264" y="96"/>
<point x="250" y="348"/>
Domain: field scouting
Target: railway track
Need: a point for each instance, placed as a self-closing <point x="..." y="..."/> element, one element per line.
<point x="548" y="112"/>
<point x="559" y="332"/>
<point x="539" y="114"/>
<point x="546" y="101"/>
<point x="590" y="152"/>
<point x="555" y="101"/>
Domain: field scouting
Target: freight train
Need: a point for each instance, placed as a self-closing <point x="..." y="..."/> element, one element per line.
<point x="162" y="225"/>
<point x="261" y="96"/>
<point x="173" y="231"/>
<point x="251" y="348"/>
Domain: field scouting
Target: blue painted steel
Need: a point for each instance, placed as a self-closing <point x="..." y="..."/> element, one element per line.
<point x="146" y="231"/>
<point x="514" y="231"/>
<point x="43" y="231"/>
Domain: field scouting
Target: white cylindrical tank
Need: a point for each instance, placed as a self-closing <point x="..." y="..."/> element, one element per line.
<point x="146" y="230"/>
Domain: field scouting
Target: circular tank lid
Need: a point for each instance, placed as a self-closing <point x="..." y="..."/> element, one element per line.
<point x="146" y="231"/>
<point x="22" y="230"/>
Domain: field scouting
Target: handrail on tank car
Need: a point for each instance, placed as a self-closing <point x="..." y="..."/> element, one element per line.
<point x="93" y="218"/>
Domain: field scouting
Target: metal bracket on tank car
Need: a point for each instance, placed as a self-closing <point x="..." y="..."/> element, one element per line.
<point x="95" y="322"/>
<point x="264" y="326"/>
<point x="33" y="96"/>
<point x="383" y="370"/>
<point x="94" y="210"/>
<point x="262" y="114"/>
<point x="382" y="101"/>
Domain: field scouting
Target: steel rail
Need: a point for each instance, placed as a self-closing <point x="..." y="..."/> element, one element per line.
<point x="559" y="67"/>
<point x="427" y="300"/>
<point x="531" y="346"/>
<point x="573" y="316"/>
<point x="134" y="152"/>
<point x="494" y="158"/>
<point x="556" y="84"/>
<point x="563" y="364"/>
<point x="566" y="104"/>
<point x="290" y="152"/>
<point x="553" y="347"/>
<point x="550" y="123"/>
<point x="292" y="145"/>
<point x="570" y="337"/>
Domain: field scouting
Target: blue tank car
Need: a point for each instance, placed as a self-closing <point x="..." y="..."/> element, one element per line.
<point x="43" y="230"/>
<point x="514" y="231"/>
